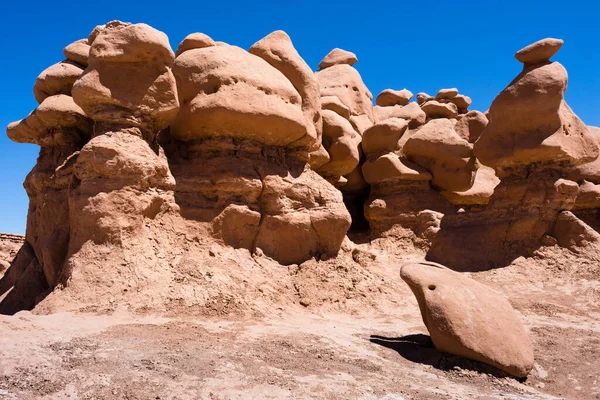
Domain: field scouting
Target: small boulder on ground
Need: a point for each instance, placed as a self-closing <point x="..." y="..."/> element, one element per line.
<point x="468" y="319"/>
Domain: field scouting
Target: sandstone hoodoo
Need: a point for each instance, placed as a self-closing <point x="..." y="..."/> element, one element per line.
<point x="160" y="167"/>
<point x="533" y="140"/>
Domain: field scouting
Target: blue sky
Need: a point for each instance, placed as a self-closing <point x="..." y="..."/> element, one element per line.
<point x="423" y="46"/>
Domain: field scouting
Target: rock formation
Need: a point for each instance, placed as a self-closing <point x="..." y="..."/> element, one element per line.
<point x="466" y="318"/>
<point x="9" y="246"/>
<point x="533" y="141"/>
<point x="218" y="137"/>
<point x="141" y="147"/>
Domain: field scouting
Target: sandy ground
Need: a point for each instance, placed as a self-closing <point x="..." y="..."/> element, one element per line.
<point x="305" y="353"/>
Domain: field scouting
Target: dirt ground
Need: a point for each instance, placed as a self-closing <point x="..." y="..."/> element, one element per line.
<point x="309" y="350"/>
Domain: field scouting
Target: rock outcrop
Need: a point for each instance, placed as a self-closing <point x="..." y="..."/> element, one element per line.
<point x="141" y="147"/>
<point x="468" y="319"/>
<point x="533" y="141"/>
<point x="220" y="139"/>
<point x="9" y="246"/>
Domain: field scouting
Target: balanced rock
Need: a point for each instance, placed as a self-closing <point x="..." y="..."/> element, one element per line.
<point x="337" y="57"/>
<point x="539" y="52"/>
<point x="436" y="109"/>
<point x="194" y="41"/>
<point x="446" y="94"/>
<point x="422" y="97"/>
<point x="531" y="123"/>
<point x="468" y="319"/>
<point x="390" y="97"/>
<point x="461" y="102"/>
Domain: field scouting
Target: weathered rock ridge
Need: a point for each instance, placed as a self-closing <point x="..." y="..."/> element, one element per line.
<point x="147" y="155"/>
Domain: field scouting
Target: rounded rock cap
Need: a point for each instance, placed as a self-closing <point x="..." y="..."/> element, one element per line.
<point x="338" y="56"/>
<point x="539" y="52"/>
<point x="194" y="41"/>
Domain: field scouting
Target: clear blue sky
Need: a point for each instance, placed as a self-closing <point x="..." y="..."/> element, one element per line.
<point x="420" y="45"/>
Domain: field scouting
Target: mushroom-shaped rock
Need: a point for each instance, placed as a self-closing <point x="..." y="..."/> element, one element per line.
<point x="278" y="50"/>
<point x="341" y="141"/>
<point x="461" y="101"/>
<point x="56" y="79"/>
<point x="129" y="43"/>
<point x="471" y="125"/>
<point x="337" y="57"/>
<point x="390" y="97"/>
<point x="422" y="97"/>
<point x="410" y="112"/>
<point x="390" y="167"/>
<point x="333" y="103"/>
<point x="78" y="52"/>
<point x="129" y="80"/>
<point x="446" y="94"/>
<point x="539" y="52"/>
<point x="530" y="123"/>
<point x="195" y="40"/>
<point x="468" y="319"/>
<point x="436" y="109"/>
<point x="56" y="121"/>
<point x="226" y="91"/>
<point x="345" y="83"/>
<point x="384" y="136"/>
<point x="449" y="158"/>
<point x="483" y="188"/>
